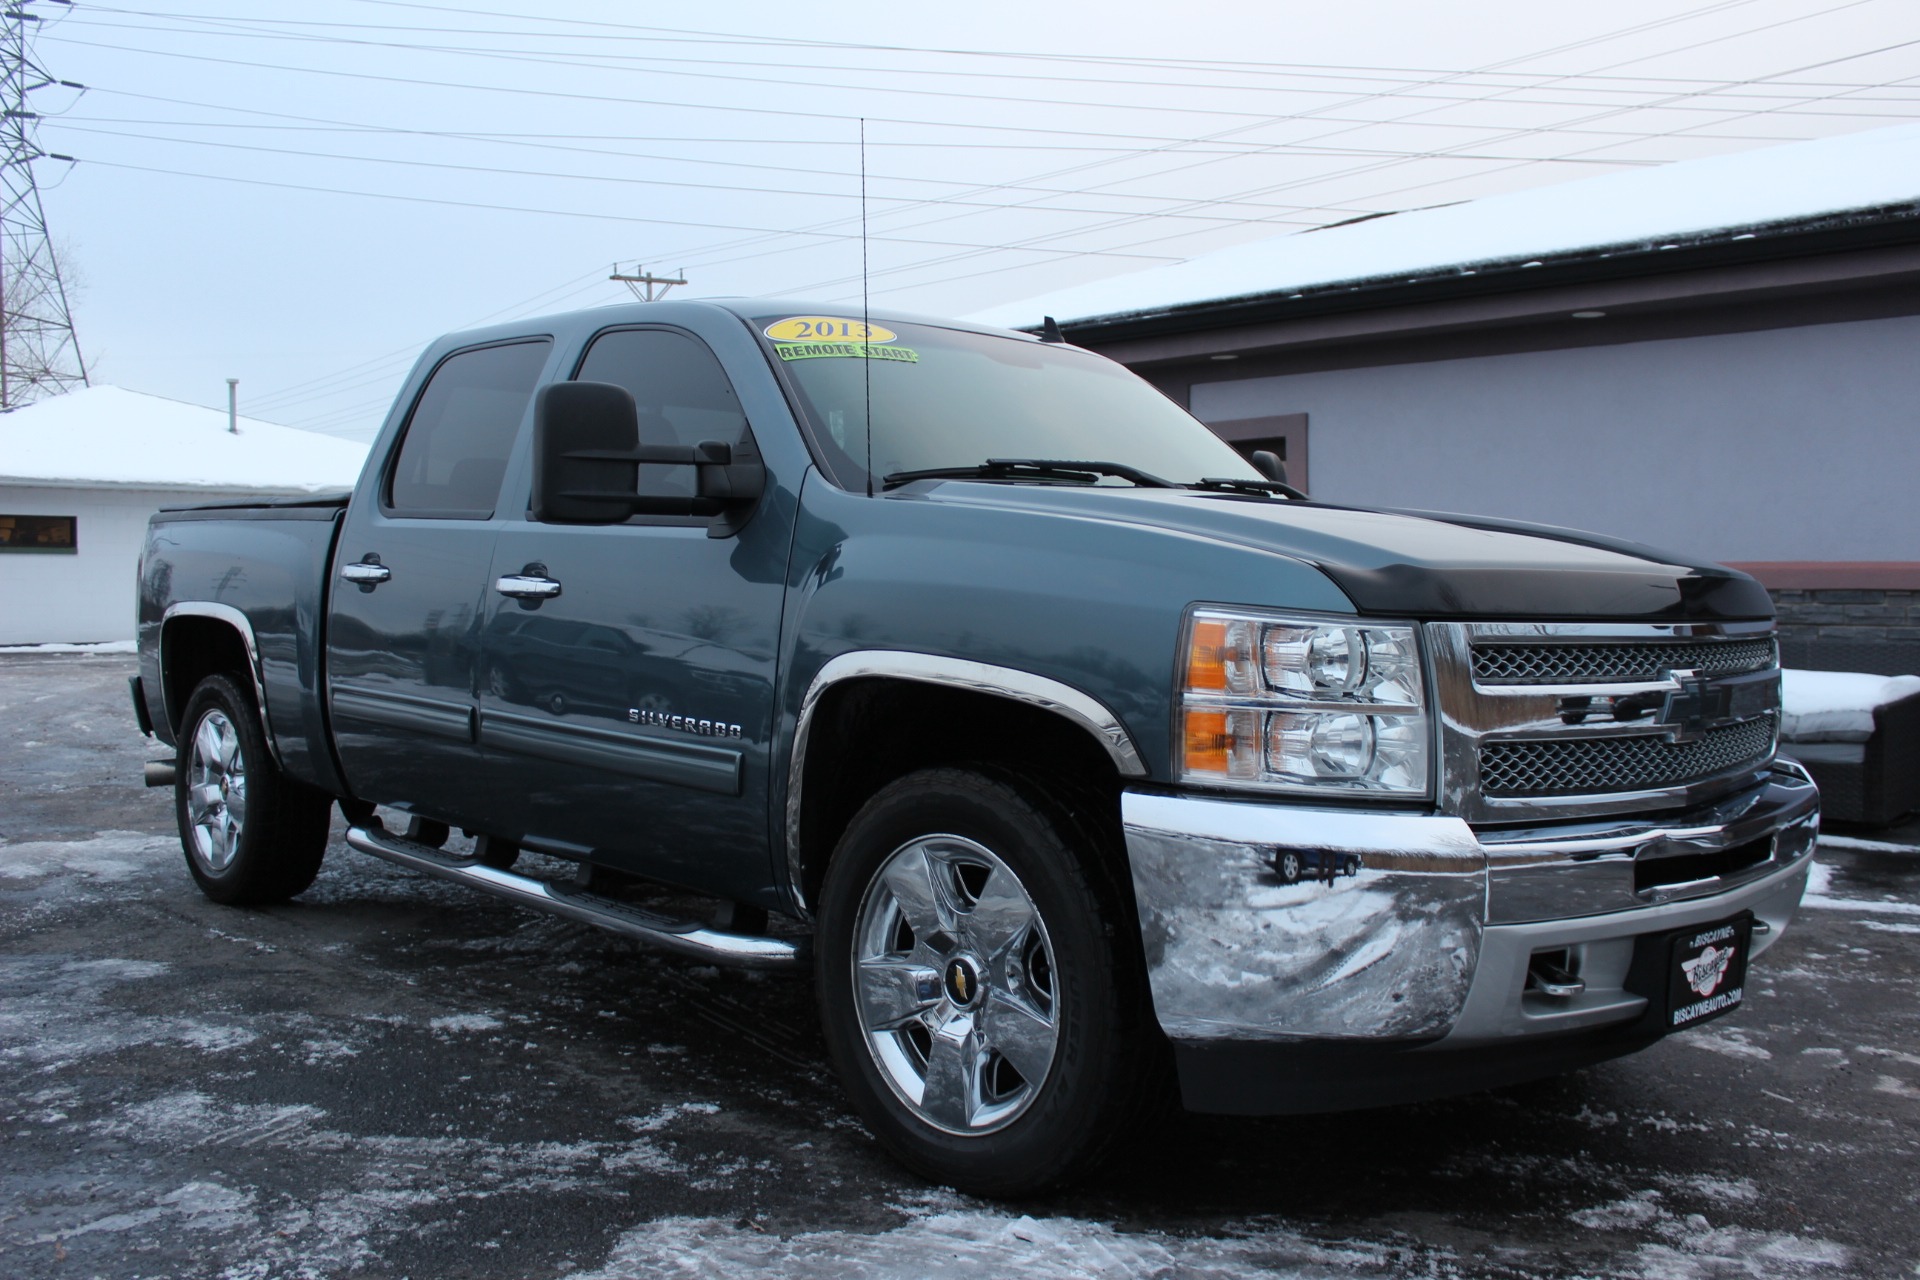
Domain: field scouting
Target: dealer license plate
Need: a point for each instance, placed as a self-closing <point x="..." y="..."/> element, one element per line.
<point x="1707" y="974"/>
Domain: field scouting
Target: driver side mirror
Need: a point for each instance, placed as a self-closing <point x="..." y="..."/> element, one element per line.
<point x="587" y="458"/>
<point x="1268" y="464"/>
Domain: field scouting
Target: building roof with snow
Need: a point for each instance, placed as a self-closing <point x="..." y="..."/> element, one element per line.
<point x="1744" y="206"/>
<point x="109" y="436"/>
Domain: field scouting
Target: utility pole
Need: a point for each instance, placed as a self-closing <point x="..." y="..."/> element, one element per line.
<point x="39" y="351"/>
<point x="644" y="282"/>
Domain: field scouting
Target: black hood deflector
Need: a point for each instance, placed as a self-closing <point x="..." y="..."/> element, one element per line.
<point x="1421" y="564"/>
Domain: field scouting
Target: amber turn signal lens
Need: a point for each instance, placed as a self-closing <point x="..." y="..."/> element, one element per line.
<point x="1207" y="657"/>
<point x="1207" y="742"/>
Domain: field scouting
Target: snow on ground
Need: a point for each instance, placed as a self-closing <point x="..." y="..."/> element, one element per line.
<point x="967" y="1241"/>
<point x="112" y="436"/>
<point x="1820" y="896"/>
<point x="963" y="1240"/>
<point x="1635" y="207"/>
<point x="1857" y="845"/>
<point x="104" y="646"/>
<point x="1837" y="706"/>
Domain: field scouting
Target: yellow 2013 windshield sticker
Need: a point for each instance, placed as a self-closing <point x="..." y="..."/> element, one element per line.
<point x="815" y="337"/>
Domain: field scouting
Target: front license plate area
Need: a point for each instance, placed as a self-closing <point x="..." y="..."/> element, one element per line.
<point x="1707" y="971"/>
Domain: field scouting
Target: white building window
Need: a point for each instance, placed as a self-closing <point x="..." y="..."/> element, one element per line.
<point x="39" y="533"/>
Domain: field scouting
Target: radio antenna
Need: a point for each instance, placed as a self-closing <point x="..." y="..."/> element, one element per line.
<point x="866" y="317"/>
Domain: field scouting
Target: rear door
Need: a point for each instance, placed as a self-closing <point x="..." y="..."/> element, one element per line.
<point x="629" y="716"/>
<point x="410" y="585"/>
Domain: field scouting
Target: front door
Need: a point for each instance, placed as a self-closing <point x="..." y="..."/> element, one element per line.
<point x="410" y="584"/>
<point x="629" y="716"/>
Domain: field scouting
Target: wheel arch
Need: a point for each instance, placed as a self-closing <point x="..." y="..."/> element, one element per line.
<point x="901" y="711"/>
<point x="200" y="638"/>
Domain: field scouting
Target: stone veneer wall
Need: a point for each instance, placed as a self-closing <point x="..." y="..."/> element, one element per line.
<point x="1866" y="615"/>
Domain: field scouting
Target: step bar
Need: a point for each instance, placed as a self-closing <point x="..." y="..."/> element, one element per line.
<point x="682" y="937"/>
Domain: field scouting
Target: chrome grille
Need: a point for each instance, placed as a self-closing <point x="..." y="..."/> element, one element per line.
<point x="1616" y="662"/>
<point x="1584" y="766"/>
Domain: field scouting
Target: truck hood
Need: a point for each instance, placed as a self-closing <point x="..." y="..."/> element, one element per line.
<point x="1415" y="563"/>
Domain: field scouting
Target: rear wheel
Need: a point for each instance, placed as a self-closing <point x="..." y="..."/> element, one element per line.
<point x="250" y="833"/>
<point x="979" y="986"/>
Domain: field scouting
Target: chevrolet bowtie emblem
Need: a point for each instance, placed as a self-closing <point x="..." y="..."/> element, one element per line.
<point x="963" y="984"/>
<point x="1695" y="707"/>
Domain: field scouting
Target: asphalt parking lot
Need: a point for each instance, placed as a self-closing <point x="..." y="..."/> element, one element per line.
<point x="396" y="1077"/>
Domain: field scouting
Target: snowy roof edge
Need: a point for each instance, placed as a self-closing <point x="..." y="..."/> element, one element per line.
<point x="174" y="486"/>
<point x="1861" y="216"/>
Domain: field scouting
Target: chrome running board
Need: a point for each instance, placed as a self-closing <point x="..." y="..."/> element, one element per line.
<point x="683" y="937"/>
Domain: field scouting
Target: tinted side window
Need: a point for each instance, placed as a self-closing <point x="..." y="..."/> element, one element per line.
<point x="683" y="395"/>
<point x="454" y="453"/>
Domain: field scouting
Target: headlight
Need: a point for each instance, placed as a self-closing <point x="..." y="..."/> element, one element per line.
<point x="1294" y="704"/>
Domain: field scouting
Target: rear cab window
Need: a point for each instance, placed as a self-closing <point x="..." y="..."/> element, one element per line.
<point x="453" y="454"/>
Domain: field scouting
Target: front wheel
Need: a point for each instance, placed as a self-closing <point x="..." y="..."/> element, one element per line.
<point x="979" y="983"/>
<point x="250" y="833"/>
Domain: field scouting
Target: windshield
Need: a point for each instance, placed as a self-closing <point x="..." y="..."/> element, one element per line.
<point x="947" y="398"/>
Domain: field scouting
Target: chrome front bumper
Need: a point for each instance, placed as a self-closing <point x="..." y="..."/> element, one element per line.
<point x="1414" y="929"/>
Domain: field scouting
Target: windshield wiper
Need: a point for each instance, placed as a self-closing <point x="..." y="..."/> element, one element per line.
<point x="1071" y="470"/>
<point x="1226" y="484"/>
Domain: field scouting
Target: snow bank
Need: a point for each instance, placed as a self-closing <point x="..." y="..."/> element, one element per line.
<point x="104" y="646"/>
<point x="112" y="436"/>
<point x="1837" y="706"/>
<point x="1634" y="207"/>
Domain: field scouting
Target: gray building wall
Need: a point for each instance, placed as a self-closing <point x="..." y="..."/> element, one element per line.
<point x="1798" y="444"/>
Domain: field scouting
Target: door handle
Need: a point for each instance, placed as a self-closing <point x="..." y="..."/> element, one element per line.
<point x="367" y="574"/>
<point x="527" y="586"/>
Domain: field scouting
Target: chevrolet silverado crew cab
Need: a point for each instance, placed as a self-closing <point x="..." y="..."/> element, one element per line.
<point x="1077" y="754"/>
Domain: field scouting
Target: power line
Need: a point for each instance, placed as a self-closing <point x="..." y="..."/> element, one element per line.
<point x="568" y="213"/>
<point x="1040" y="240"/>
<point x="733" y="188"/>
<point x="611" y="63"/>
<point x="253" y="27"/>
<point x="420" y="82"/>
<point x="249" y="28"/>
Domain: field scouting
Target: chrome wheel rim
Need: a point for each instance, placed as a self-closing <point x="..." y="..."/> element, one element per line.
<point x="955" y="984"/>
<point x="216" y="791"/>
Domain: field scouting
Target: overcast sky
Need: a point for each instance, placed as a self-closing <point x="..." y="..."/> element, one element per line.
<point x="301" y="201"/>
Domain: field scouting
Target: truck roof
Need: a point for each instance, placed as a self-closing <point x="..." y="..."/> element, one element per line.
<point x="667" y="311"/>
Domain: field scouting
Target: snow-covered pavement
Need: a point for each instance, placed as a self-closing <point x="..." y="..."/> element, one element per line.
<point x="395" y="1078"/>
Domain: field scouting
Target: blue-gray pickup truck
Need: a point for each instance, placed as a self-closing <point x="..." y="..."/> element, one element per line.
<point x="1081" y="757"/>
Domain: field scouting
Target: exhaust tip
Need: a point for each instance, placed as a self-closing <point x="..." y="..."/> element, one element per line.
<point x="160" y="773"/>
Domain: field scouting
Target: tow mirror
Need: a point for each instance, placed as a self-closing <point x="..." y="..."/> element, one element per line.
<point x="587" y="459"/>
<point x="596" y="419"/>
<point x="1268" y="464"/>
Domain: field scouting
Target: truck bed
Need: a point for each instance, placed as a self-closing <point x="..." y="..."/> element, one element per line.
<point x="270" y="573"/>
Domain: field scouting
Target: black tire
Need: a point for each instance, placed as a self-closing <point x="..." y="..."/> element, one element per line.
<point x="272" y="850"/>
<point x="1289" y="866"/>
<point x="1107" y="1056"/>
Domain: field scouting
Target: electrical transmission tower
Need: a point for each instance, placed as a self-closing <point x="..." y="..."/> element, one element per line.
<point x="39" y="352"/>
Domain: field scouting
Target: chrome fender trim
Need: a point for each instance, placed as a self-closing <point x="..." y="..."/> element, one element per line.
<point x="238" y="621"/>
<point x="955" y="673"/>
